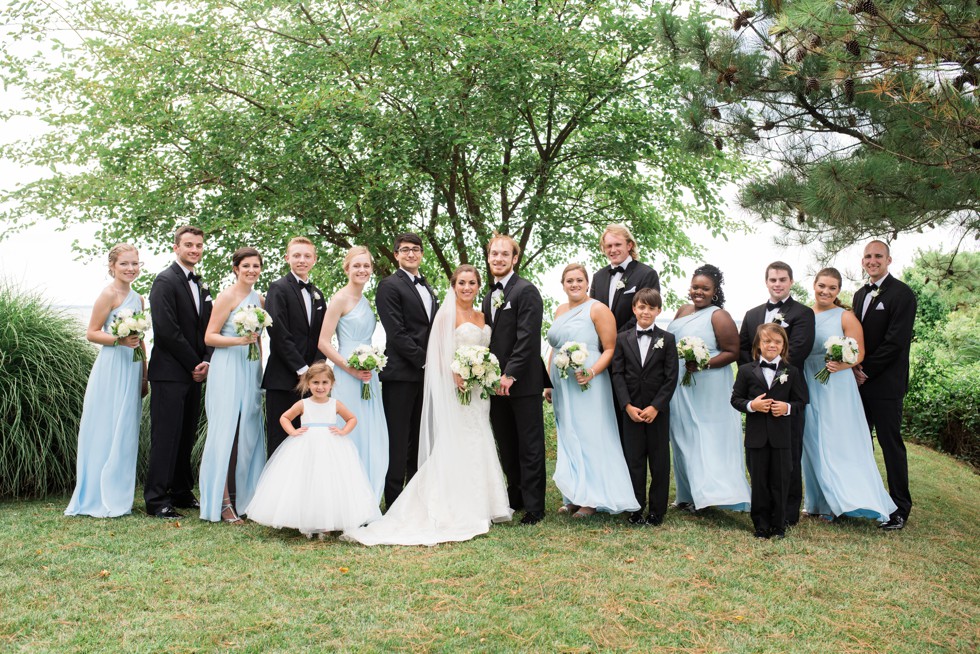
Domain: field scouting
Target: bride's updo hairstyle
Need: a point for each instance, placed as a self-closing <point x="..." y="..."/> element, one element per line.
<point x="357" y="251"/>
<point x="574" y="266"/>
<point x="465" y="268"/>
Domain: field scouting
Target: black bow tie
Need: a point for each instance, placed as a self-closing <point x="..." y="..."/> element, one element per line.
<point x="771" y="366"/>
<point x="617" y="269"/>
<point x="770" y="306"/>
<point x="496" y="286"/>
<point x="307" y="286"/>
<point x="420" y="280"/>
<point x="644" y="332"/>
<point x="195" y="279"/>
<point x="871" y="287"/>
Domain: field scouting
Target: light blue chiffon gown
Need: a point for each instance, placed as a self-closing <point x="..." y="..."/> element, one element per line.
<point x="591" y="469"/>
<point x="370" y="436"/>
<point x="109" y="431"/>
<point x="839" y="469"/>
<point x="233" y="403"/>
<point x="705" y="431"/>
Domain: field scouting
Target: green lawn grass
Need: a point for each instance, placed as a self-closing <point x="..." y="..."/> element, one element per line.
<point x="696" y="584"/>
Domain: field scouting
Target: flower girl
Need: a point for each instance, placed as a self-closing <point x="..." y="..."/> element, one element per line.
<point x="315" y="481"/>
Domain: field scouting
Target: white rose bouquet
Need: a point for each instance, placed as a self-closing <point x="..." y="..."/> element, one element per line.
<point x="570" y="357"/>
<point x="128" y="323"/>
<point x="839" y="348"/>
<point x="478" y="368"/>
<point x="367" y="357"/>
<point x="251" y="320"/>
<point x="692" y="348"/>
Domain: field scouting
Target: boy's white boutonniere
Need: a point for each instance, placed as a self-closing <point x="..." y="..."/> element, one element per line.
<point x="778" y="317"/>
<point x="659" y="344"/>
<point x="783" y="378"/>
<point x="498" y="301"/>
<point x="621" y="284"/>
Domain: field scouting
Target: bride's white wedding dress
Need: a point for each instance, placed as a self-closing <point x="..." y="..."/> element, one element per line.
<point x="459" y="489"/>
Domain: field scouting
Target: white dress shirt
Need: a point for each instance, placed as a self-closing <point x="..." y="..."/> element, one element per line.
<point x="195" y="289"/>
<point x="615" y="278"/>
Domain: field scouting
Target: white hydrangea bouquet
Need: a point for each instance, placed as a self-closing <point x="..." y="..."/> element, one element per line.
<point x="367" y="357"/>
<point x="839" y="348"/>
<point x="251" y="320"/>
<point x="128" y="323"/>
<point x="571" y="357"/>
<point x="478" y="368"/>
<point x="693" y="348"/>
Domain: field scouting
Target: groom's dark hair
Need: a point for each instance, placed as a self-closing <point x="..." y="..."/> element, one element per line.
<point x="779" y="265"/>
<point x="408" y="237"/>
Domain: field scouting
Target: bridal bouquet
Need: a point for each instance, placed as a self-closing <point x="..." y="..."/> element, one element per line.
<point x="251" y="320"/>
<point x="478" y="368"/>
<point x="367" y="357"/>
<point x="128" y="323"/>
<point x="692" y="348"/>
<point x="839" y="348"/>
<point x="570" y="357"/>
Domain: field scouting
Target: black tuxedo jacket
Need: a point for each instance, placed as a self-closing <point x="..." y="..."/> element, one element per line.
<point x="516" y="336"/>
<point x="638" y="275"/>
<point x="798" y="321"/>
<point x="407" y="326"/>
<point x="887" y="338"/>
<point x="178" y="328"/>
<point x="292" y="340"/>
<point x="763" y="429"/>
<point x="651" y="383"/>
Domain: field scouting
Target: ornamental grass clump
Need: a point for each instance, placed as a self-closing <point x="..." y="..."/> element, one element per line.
<point x="45" y="362"/>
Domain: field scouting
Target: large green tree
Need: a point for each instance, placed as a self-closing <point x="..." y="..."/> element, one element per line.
<point x="867" y="109"/>
<point x="352" y="121"/>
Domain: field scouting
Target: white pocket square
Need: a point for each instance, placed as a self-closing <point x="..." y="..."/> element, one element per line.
<point x="880" y="307"/>
<point x="632" y="290"/>
<point x="207" y="299"/>
<point x="506" y="306"/>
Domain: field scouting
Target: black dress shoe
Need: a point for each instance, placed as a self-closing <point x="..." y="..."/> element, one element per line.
<point x="636" y="518"/>
<point x="532" y="518"/>
<point x="895" y="523"/>
<point x="167" y="513"/>
<point x="683" y="506"/>
<point x="778" y="534"/>
<point x="762" y="534"/>
<point x="655" y="520"/>
<point x="188" y="504"/>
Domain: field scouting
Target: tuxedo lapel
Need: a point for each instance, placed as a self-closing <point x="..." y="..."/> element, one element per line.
<point x="623" y="281"/>
<point x="757" y="370"/>
<point x="186" y="284"/>
<point x="651" y="346"/>
<point x="633" y="346"/>
<point x="402" y="275"/>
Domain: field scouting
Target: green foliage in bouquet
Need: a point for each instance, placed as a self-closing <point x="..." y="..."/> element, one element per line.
<point x="44" y="367"/>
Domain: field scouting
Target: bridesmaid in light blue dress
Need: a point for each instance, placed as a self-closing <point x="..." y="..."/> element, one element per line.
<point x="350" y="317"/>
<point x="233" y="401"/>
<point x="839" y="468"/>
<point x="108" y="434"/>
<point x="591" y="471"/>
<point x="705" y="431"/>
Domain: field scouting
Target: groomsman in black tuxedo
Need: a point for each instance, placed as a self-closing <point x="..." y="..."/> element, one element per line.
<point x="180" y="306"/>
<point x="297" y="308"/>
<point x="798" y="321"/>
<point x="886" y="308"/>
<point x="406" y="306"/>
<point x="615" y="284"/>
<point x="514" y="310"/>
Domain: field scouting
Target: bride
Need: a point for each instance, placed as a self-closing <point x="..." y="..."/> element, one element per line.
<point x="459" y="488"/>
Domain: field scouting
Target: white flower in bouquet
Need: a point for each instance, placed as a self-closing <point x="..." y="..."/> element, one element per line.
<point x="693" y="349"/>
<point x="367" y="357"/>
<point x="128" y="323"/>
<point x="478" y="368"/>
<point x="570" y="357"/>
<point x="839" y="348"/>
<point x="251" y="320"/>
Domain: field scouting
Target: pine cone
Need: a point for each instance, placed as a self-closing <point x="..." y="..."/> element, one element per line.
<point x="853" y="48"/>
<point x="812" y="85"/>
<point x="715" y="113"/>
<point x="742" y="20"/>
<point x="728" y="77"/>
<point x="768" y="125"/>
<point x="852" y="120"/>
<point x="816" y="41"/>
<point x="801" y="216"/>
<point x="718" y="142"/>
<point x="865" y="6"/>
<point x="800" y="54"/>
<point x="849" y="89"/>
<point x="961" y="80"/>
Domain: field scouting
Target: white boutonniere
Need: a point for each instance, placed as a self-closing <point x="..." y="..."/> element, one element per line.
<point x="498" y="301"/>
<point x="317" y="296"/>
<point x="659" y="344"/>
<point x="205" y="288"/>
<point x="778" y="317"/>
<point x="783" y="378"/>
<point x="876" y="292"/>
<point x="620" y="285"/>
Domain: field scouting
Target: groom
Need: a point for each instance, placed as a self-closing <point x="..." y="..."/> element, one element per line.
<point x="406" y="306"/>
<point x="514" y="310"/>
<point x="180" y="306"/>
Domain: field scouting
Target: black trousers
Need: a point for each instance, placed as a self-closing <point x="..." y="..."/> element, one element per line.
<point x="794" y="498"/>
<point x="518" y="427"/>
<point x="885" y="419"/>
<point x="403" y="413"/>
<point x="648" y="445"/>
<point x="175" y="414"/>
<point x="277" y="403"/>
<point x="769" y="468"/>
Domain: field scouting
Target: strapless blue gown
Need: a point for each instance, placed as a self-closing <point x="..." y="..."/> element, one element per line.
<point x="370" y="436"/>
<point x="109" y="431"/>
<point x="839" y="469"/>
<point x="705" y="431"/>
<point x="591" y="469"/>
<point x="233" y="402"/>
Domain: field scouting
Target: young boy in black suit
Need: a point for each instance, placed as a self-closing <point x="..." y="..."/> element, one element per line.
<point x="769" y="390"/>
<point x="644" y="376"/>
